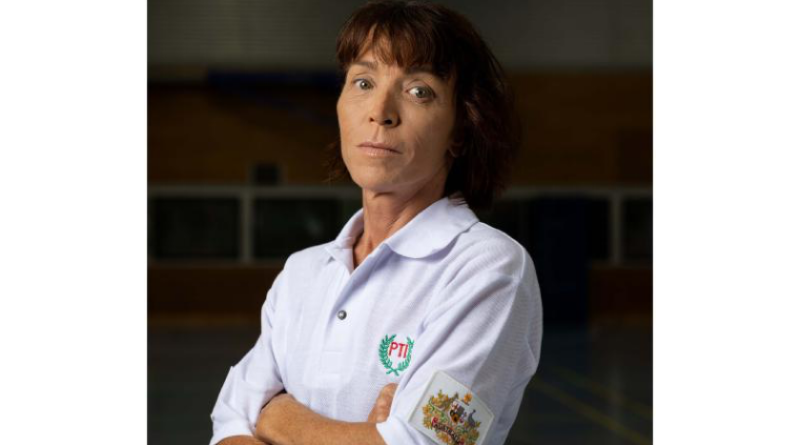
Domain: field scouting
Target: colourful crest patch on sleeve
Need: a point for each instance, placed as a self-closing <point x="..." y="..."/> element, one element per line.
<point x="446" y="417"/>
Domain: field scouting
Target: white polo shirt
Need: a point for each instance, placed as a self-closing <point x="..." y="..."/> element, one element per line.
<point x="444" y="293"/>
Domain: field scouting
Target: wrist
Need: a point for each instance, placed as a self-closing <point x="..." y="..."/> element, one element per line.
<point x="298" y="423"/>
<point x="278" y="419"/>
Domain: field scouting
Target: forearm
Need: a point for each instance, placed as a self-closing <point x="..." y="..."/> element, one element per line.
<point x="319" y="430"/>
<point x="291" y="423"/>
<point x="240" y="440"/>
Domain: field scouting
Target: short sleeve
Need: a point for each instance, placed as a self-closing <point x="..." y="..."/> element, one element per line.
<point x="252" y="382"/>
<point x="485" y="332"/>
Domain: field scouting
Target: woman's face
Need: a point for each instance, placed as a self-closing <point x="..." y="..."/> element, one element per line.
<point x="395" y="126"/>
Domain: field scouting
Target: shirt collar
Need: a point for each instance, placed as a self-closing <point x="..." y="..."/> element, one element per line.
<point x="428" y="232"/>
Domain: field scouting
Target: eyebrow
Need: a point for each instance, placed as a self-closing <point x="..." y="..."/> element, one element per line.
<point x="410" y="70"/>
<point x="370" y="65"/>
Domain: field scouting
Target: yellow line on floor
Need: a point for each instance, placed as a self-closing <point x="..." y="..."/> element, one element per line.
<point x="602" y="391"/>
<point x="590" y="413"/>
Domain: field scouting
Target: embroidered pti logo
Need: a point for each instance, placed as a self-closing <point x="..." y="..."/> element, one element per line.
<point x="450" y="418"/>
<point x="401" y="352"/>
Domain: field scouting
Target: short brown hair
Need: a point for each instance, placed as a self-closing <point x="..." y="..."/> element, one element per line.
<point x="486" y="136"/>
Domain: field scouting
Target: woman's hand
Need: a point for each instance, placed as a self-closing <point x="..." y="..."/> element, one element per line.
<point x="285" y="421"/>
<point x="273" y="416"/>
<point x="380" y="412"/>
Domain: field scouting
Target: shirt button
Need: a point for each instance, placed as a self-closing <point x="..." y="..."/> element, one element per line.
<point x="342" y="315"/>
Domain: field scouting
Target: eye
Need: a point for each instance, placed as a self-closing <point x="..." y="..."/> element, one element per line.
<point x="362" y="84"/>
<point x="421" y="92"/>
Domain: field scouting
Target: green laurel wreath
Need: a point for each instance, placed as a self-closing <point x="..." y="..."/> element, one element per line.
<point x="387" y="362"/>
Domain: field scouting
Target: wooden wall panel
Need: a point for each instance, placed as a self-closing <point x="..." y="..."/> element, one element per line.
<point x="585" y="129"/>
<point x="199" y="135"/>
<point x="579" y="129"/>
<point x="223" y="290"/>
<point x="621" y="293"/>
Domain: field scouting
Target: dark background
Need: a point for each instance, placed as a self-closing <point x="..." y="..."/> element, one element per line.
<point x="241" y="102"/>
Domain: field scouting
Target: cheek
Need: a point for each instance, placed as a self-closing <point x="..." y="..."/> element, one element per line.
<point x="433" y="140"/>
<point x="341" y="116"/>
<point x="348" y="115"/>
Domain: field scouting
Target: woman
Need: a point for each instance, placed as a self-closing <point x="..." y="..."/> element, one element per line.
<point x="418" y="323"/>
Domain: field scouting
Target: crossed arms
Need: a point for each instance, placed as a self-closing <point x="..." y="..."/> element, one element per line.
<point x="484" y="331"/>
<point x="285" y="421"/>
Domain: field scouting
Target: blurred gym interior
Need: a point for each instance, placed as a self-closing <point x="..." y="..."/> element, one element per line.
<point x="241" y="105"/>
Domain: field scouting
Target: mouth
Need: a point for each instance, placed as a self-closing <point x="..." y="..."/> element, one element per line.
<point x="378" y="148"/>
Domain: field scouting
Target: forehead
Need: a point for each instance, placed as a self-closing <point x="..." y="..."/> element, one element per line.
<point x="370" y="63"/>
<point x="376" y="50"/>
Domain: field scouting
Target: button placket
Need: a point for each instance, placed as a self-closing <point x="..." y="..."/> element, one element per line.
<point x="340" y="332"/>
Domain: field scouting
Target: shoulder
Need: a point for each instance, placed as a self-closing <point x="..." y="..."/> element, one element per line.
<point x="482" y="248"/>
<point x="487" y="269"/>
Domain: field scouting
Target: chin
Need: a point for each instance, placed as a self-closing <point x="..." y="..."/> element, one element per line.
<point x="370" y="176"/>
<point x="374" y="185"/>
<point x="380" y="183"/>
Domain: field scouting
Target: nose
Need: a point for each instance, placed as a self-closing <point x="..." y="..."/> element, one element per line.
<point x="384" y="111"/>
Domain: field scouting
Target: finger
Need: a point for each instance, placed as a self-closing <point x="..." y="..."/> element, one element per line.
<point x="382" y="414"/>
<point x="378" y="414"/>
<point x="389" y="389"/>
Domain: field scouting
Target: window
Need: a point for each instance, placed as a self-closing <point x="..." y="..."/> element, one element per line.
<point x="284" y="226"/>
<point x="195" y="228"/>
<point x="638" y="229"/>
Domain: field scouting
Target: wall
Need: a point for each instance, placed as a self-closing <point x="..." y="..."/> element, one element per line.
<point x="585" y="134"/>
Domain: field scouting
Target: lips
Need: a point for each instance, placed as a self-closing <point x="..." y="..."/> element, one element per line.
<point x="378" y="146"/>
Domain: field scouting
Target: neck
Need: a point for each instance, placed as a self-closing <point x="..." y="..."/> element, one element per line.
<point x="386" y="213"/>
